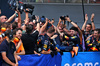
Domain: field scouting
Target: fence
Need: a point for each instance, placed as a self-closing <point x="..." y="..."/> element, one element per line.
<point x="82" y="59"/>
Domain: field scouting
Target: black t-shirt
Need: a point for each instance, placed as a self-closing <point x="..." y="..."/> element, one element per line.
<point x="9" y="48"/>
<point x="29" y="42"/>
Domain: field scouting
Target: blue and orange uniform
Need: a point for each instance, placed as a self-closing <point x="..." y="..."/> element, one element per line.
<point x="93" y="44"/>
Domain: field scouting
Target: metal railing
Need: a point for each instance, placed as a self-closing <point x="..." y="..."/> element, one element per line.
<point x="61" y="1"/>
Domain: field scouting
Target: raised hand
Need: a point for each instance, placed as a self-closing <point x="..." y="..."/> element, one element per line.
<point x="92" y="17"/>
<point x="86" y="17"/>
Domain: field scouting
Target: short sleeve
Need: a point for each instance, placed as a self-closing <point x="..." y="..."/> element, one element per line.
<point x="3" y="48"/>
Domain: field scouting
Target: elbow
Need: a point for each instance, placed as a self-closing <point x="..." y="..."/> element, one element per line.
<point x="4" y="58"/>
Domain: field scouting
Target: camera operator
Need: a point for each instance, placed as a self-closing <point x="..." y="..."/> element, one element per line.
<point x="29" y="39"/>
<point x="93" y="43"/>
<point x="8" y="50"/>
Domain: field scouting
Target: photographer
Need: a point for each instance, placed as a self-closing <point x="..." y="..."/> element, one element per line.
<point x="30" y="37"/>
<point x="8" y="51"/>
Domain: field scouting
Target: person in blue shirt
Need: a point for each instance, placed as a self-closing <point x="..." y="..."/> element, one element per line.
<point x="47" y="44"/>
<point x="8" y="50"/>
<point x="72" y="40"/>
<point x="93" y="43"/>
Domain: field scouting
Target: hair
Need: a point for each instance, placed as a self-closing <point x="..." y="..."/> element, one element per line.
<point x="4" y="25"/>
<point x="51" y="29"/>
<point x="74" y="28"/>
<point x="14" y="31"/>
<point x="97" y="30"/>
<point x="29" y="28"/>
<point x="90" y="24"/>
<point x="14" y="25"/>
<point x="9" y="34"/>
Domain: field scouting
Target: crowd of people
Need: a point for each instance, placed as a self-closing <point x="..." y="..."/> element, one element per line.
<point x="39" y="35"/>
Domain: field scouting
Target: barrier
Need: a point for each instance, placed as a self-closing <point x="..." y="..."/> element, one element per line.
<point x="82" y="59"/>
<point x="43" y="60"/>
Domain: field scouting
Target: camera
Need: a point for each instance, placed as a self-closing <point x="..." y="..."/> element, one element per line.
<point x="63" y="17"/>
<point x="18" y="5"/>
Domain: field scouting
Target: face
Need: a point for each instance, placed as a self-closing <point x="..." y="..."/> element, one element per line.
<point x="72" y="32"/>
<point x="96" y="34"/>
<point x="3" y="18"/>
<point x="88" y="27"/>
<point x="19" y="34"/>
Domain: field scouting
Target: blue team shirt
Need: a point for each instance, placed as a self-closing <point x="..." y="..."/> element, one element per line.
<point x="9" y="48"/>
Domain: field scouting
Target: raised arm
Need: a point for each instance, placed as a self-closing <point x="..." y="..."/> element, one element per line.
<point x="86" y="19"/>
<point x="44" y="26"/>
<point x="12" y="17"/>
<point x="92" y="21"/>
<point x="38" y="23"/>
<point x="59" y="22"/>
<point x="19" y="20"/>
<point x="26" y="21"/>
<point x="75" y="25"/>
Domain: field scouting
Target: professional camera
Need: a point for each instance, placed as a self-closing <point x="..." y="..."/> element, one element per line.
<point x="18" y="5"/>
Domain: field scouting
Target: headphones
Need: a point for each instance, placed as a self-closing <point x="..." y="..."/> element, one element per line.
<point x="16" y="40"/>
<point x="3" y="29"/>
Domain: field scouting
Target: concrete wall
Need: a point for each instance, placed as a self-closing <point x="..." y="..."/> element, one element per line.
<point x="73" y="10"/>
<point x="56" y="10"/>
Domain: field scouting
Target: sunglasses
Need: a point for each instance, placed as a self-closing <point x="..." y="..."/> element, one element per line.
<point x="4" y="18"/>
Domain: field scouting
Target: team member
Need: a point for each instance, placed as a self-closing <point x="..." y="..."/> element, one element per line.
<point x="72" y="40"/>
<point x="8" y="51"/>
<point x="47" y="44"/>
<point x="93" y="43"/>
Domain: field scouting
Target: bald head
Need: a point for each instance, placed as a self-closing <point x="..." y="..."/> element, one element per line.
<point x="3" y="18"/>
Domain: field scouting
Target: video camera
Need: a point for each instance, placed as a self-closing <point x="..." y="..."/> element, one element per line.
<point x="63" y="17"/>
<point x="18" y="5"/>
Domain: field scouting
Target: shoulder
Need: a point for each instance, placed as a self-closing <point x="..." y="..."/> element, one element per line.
<point x="35" y="32"/>
<point x="3" y="43"/>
